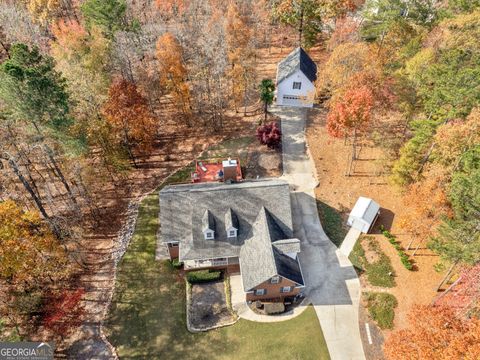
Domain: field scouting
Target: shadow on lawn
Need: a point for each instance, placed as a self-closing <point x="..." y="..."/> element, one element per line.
<point x="147" y="314"/>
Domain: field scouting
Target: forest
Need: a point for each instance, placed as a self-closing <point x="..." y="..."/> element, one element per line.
<point x="98" y="96"/>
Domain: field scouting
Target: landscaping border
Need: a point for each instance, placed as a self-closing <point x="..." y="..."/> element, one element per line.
<point x="190" y="327"/>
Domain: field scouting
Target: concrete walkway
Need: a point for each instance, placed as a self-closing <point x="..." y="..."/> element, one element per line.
<point x="349" y="241"/>
<point x="332" y="285"/>
<point x="240" y="306"/>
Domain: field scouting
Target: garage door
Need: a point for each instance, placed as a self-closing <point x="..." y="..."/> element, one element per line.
<point x="294" y="100"/>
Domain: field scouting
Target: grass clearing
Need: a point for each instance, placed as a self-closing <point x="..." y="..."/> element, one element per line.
<point x="381" y="307"/>
<point x="379" y="272"/>
<point x="332" y="222"/>
<point x="147" y="317"/>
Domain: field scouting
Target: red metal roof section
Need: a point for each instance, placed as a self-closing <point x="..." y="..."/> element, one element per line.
<point x="211" y="171"/>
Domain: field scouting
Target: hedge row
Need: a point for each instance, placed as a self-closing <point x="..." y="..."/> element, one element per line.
<point x="404" y="258"/>
<point x="202" y="276"/>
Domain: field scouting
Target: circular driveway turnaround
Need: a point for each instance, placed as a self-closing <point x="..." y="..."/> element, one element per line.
<point x="331" y="283"/>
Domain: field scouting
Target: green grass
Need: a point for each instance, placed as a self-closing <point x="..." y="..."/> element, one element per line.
<point x="377" y="272"/>
<point x="381" y="307"/>
<point x="147" y="316"/>
<point x="332" y="223"/>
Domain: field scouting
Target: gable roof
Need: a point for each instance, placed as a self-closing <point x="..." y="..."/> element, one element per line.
<point x="260" y="260"/>
<point x="231" y="220"/>
<point x="365" y="209"/>
<point x="182" y="208"/>
<point x="287" y="246"/>
<point x="298" y="59"/>
<point x="208" y="221"/>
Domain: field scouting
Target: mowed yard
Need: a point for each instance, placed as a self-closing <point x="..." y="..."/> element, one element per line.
<point x="147" y="317"/>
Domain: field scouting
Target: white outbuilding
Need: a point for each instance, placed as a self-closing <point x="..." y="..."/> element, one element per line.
<point x="364" y="214"/>
<point x="296" y="75"/>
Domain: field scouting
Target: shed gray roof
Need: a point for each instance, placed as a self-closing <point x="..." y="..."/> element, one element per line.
<point x="182" y="208"/>
<point x="298" y="59"/>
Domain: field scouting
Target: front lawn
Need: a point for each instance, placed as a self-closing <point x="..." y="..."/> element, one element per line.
<point x="147" y="316"/>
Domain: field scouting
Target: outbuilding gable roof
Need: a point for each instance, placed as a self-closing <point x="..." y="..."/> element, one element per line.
<point x="298" y="59"/>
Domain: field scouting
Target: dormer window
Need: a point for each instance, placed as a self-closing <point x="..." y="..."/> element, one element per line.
<point x="208" y="225"/>
<point x="275" y="280"/>
<point x="231" y="224"/>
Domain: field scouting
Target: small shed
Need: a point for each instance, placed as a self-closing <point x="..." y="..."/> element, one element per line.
<point x="364" y="214"/>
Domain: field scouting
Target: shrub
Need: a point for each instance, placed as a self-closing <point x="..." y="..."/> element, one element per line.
<point x="176" y="264"/>
<point x="270" y="135"/>
<point x="393" y="240"/>
<point x="202" y="276"/>
<point x="381" y="308"/>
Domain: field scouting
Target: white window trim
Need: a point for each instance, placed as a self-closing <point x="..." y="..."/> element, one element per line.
<point x="209" y="235"/>
<point x="283" y="289"/>
<point x="275" y="280"/>
<point x="260" y="292"/>
<point x="232" y="233"/>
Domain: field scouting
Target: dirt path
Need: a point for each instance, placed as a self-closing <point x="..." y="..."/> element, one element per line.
<point x="341" y="192"/>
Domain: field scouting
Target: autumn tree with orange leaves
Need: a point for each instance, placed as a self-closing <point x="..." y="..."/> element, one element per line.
<point x="435" y="332"/>
<point x="241" y="56"/>
<point x="173" y="73"/>
<point x="127" y="112"/>
<point x="350" y="115"/>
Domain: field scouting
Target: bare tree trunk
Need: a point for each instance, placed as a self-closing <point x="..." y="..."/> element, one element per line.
<point x="13" y="164"/>
<point x="447" y="275"/>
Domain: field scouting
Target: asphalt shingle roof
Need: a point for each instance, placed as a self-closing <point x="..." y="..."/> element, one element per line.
<point x="298" y="59"/>
<point x="259" y="209"/>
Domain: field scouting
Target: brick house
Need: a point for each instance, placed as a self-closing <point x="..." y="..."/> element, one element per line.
<point x="240" y="228"/>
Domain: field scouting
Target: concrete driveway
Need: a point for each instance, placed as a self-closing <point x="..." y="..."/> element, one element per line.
<point x="332" y="285"/>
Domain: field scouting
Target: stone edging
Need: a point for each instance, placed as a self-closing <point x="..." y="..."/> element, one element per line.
<point x="124" y="237"/>
<point x="190" y="327"/>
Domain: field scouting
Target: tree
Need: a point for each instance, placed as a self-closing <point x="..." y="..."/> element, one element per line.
<point x="29" y="251"/>
<point x="173" y="73"/>
<point x="33" y="91"/>
<point x="270" y="135"/>
<point x="108" y="15"/>
<point x="241" y="55"/>
<point x="435" y="332"/>
<point x="128" y="113"/>
<point x="303" y="15"/>
<point x="63" y="311"/>
<point x="267" y="92"/>
<point x="350" y="115"/>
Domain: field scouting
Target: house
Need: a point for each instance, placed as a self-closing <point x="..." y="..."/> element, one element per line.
<point x="364" y="214"/>
<point x="296" y="75"/>
<point x="243" y="227"/>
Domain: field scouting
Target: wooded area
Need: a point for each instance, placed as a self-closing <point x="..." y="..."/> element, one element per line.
<point x="90" y="89"/>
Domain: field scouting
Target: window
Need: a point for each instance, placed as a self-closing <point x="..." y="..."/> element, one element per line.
<point x="260" y="292"/>
<point x="209" y="235"/>
<point x="297" y="85"/>
<point x="232" y="233"/>
<point x="275" y="280"/>
<point x="173" y="244"/>
<point x="286" y="289"/>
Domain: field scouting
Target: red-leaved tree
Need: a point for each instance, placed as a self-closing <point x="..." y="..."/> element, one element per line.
<point x="270" y="135"/>
<point x="350" y="115"/>
<point x="63" y="311"/>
